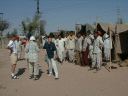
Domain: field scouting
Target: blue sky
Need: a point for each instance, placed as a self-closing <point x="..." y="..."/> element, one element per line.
<point x="64" y="13"/>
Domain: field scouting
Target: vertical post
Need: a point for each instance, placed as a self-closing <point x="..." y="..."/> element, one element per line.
<point x="1" y="33"/>
<point x="38" y="26"/>
<point x="38" y="8"/>
<point x="117" y="44"/>
<point x="38" y="14"/>
<point x="110" y="49"/>
<point x="1" y="20"/>
<point x="75" y="29"/>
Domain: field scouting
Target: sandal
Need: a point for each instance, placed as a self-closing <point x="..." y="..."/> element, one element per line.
<point x="36" y="78"/>
<point x="30" y="77"/>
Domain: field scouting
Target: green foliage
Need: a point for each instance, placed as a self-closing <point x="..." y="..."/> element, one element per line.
<point x="14" y="32"/>
<point x="34" y="25"/>
<point x="3" y="26"/>
<point x="42" y="27"/>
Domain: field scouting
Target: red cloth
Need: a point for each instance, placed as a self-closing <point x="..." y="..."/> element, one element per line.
<point x="24" y="42"/>
<point x="85" y="59"/>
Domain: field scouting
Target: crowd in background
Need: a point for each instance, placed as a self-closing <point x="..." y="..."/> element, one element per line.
<point x="87" y="49"/>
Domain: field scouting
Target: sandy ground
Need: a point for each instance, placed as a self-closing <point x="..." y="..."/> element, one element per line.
<point x="74" y="80"/>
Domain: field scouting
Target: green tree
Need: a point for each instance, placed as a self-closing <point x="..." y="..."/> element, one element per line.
<point x="42" y="27"/>
<point x="34" y="25"/>
<point x="3" y="26"/>
<point x="15" y="32"/>
<point x="24" y="27"/>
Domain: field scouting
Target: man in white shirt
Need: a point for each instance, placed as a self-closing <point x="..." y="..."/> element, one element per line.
<point x="71" y="47"/>
<point x="13" y="55"/>
<point x="78" y="49"/>
<point x="18" y="45"/>
<point x="107" y="47"/>
<point x="66" y="45"/>
<point x="85" y="49"/>
<point x="60" y="49"/>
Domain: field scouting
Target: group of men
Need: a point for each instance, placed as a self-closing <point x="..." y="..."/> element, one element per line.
<point x="31" y="51"/>
<point x="81" y="49"/>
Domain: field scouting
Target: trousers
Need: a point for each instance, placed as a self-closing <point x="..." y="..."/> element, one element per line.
<point x="107" y="53"/>
<point x="96" y="62"/>
<point x="33" y="68"/>
<point x="78" y="57"/>
<point x="53" y="65"/>
<point x="71" y="54"/>
<point x="60" y="55"/>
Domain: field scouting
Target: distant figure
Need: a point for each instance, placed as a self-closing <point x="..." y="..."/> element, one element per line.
<point x="18" y="45"/>
<point x="107" y="47"/>
<point x="32" y="51"/>
<point x="78" y="49"/>
<point x="91" y="36"/>
<point x="85" y="49"/>
<point x="13" y="55"/>
<point x="97" y="52"/>
<point x="52" y="56"/>
<point x="71" y="47"/>
<point x="61" y="49"/>
<point x="65" y="45"/>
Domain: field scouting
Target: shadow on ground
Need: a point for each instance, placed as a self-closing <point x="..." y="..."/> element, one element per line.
<point x="20" y="71"/>
<point x="40" y="73"/>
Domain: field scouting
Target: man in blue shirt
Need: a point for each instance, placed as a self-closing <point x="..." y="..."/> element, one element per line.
<point x="51" y="53"/>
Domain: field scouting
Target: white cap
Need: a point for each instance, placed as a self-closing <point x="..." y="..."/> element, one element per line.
<point x="32" y="38"/>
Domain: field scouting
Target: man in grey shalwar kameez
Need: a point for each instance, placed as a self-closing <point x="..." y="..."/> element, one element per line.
<point x="97" y="51"/>
<point x="32" y="50"/>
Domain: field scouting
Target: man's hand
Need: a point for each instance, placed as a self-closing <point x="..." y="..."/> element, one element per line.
<point x="55" y="56"/>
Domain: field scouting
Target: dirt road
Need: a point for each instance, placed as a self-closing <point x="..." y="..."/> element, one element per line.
<point x="74" y="80"/>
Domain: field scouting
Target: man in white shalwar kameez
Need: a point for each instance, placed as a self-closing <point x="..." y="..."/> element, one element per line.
<point x="78" y="49"/>
<point x="60" y="49"/>
<point x="107" y="47"/>
<point x="71" y="47"/>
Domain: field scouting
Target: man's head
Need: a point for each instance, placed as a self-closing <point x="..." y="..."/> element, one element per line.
<point x="59" y="37"/>
<point x="95" y="34"/>
<point x="17" y="38"/>
<point x="49" y="39"/>
<point x="56" y="36"/>
<point x="99" y="33"/>
<point x="78" y="35"/>
<point x="88" y="32"/>
<point x="13" y="37"/>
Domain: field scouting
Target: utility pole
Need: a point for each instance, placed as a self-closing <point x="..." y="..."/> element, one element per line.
<point x="38" y="7"/>
<point x="1" y="21"/>
<point x="38" y="14"/>
<point x="119" y="18"/>
<point x="1" y="16"/>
